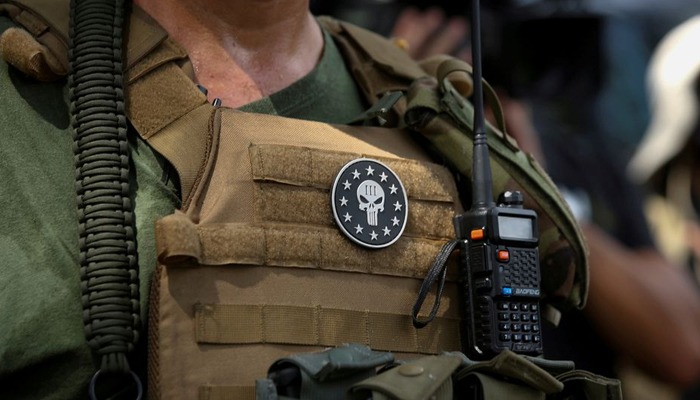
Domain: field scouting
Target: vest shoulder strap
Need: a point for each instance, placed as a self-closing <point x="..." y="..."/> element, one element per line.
<point x="386" y="55"/>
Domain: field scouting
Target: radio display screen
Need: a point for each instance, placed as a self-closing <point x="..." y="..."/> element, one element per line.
<point x="515" y="228"/>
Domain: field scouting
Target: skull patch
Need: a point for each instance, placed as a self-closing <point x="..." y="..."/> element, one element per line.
<point x="371" y="197"/>
<point x="369" y="203"/>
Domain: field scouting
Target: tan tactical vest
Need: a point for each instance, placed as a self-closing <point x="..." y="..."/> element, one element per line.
<point x="253" y="267"/>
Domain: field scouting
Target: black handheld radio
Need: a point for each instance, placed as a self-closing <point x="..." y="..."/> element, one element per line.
<point x="499" y="260"/>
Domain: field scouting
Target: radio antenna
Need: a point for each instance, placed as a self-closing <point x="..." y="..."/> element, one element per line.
<point x="482" y="193"/>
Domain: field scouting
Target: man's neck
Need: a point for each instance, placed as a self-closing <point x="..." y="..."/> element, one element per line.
<point x="242" y="50"/>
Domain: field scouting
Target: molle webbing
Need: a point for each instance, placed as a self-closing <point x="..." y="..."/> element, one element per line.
<point x="283" y="170"/>
<point x="310" y="167"/>
<point x="182" y="244"/>
<point x="431" y="219"/>
<point x="287" y="177"/>
<point x="226" y="393"/>
<point x="320" y="326"/>
<point x="243" y="321"/>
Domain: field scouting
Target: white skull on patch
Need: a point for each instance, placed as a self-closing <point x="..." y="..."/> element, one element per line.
<point x="371" y="198"/>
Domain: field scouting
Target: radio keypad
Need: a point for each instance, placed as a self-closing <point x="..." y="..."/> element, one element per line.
<point x="519" y="324"/>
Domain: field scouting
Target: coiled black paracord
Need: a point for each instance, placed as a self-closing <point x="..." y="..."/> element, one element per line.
<point x="108" y="264"/>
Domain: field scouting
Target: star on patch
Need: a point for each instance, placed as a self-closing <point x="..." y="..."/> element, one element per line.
<point x="367" y="213"/>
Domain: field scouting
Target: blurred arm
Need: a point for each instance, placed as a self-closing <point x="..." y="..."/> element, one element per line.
<point x="645" y="307"/>
<point x="431" y="32"/>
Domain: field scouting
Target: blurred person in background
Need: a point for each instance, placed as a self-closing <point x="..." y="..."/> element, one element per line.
<point x="667" y="161"/>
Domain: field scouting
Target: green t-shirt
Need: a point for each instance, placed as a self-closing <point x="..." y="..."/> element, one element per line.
<point x="326" y="94"/>
<point x="43" y="351"/>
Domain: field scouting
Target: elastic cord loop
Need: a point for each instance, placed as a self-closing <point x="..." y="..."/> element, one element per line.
<point x="437" y="270"/>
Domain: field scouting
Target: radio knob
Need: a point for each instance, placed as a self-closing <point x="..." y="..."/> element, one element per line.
<point x="511" y="198"/>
